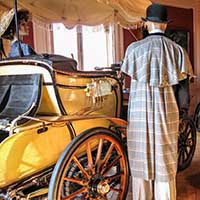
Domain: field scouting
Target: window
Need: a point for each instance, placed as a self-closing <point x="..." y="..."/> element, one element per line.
<point x="65" y="41"/>
<point x="91" y="46"/>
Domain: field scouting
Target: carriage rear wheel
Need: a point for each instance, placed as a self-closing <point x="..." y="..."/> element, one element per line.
<point x="197" y="117"/>
<point x="93" y="166"/>
<point x="186" y="142"/>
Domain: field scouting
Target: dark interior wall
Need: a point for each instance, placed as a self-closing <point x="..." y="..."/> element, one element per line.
<point x="129" y="37"/>
<point x="182" y="19"/>
<point x="29" y="39"/>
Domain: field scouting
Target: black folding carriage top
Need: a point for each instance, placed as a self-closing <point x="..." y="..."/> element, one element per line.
<point x="19" y="95"/>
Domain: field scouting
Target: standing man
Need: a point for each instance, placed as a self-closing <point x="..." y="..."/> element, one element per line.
<point x="155" y="64"/>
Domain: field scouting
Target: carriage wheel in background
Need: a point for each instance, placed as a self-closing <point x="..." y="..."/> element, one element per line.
<point x="197" y="117"/>
<point x="93" y="166"/>
<point x="186" y="142"/>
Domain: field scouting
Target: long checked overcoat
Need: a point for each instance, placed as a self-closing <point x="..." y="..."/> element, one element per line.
<point x="154" y="64"/>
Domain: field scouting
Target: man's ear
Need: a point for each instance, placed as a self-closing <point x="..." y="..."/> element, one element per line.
<point x="145" y="25"/>
<point x="165" y="26"/>
<point x="148" y="25"/>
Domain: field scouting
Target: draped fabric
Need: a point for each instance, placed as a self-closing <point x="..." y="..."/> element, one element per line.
<point x="154" y="64"/>
<point x="128" y="13"/>
<point x="158" y="61"/>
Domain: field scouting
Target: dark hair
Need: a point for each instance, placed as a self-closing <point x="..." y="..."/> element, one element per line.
<point x="22" y="15"/>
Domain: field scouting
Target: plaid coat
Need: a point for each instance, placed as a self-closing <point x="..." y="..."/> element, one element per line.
<point x="154" y="64"/>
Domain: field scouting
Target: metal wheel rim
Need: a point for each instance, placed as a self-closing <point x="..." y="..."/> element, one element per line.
<point x="186" y="143"/>
<point x="99" y="166"/>
<point x="197" y="117"/>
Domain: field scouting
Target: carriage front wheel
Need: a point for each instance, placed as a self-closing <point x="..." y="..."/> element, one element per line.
<point x="186" y="142"/>
<point x="93" y="166"/>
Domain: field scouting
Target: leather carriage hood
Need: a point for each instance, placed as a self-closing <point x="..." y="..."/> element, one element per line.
<point x="19" y="94"/>
<point x="57" y="62"/>
<point x="61" y="63"/>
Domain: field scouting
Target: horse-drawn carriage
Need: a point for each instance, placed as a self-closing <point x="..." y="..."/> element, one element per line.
<point x="61" y="132"/>
<point x="49" y="115"/>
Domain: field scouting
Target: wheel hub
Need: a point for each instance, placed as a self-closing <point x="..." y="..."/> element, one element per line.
<point x="98" y="186"/>
<point x="103" y="187"/>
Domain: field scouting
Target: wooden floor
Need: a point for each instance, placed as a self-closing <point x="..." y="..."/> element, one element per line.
<point x="188" y="181"/>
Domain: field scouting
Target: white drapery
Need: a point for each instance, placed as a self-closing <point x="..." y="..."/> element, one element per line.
<point x="127" y="13"/>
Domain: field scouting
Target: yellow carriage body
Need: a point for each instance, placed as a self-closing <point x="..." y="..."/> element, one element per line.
<point x="68" y="104"/>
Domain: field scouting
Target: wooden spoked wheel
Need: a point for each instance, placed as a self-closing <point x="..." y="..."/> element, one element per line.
<point x="197" y="117"/>
<point x="186" y="142"/>
<point x="93" y="166"/>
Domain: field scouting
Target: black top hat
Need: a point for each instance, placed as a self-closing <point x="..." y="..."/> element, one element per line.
<point x="156" y="13"/>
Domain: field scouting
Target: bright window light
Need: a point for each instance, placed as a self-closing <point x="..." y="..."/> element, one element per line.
<point x="94" y="47"/>
<point x="95" y="41"/>
<point x="65" y="41"/>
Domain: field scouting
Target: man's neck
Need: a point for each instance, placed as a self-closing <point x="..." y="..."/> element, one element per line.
<point x="156" y="31"/>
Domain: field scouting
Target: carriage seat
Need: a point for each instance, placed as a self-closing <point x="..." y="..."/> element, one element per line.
<point x="61" y="63"/>
<point x="17" y="95"/>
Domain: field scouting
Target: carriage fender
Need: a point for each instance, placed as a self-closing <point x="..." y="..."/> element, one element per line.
<point x="98" y="121"/>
